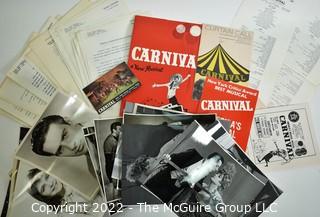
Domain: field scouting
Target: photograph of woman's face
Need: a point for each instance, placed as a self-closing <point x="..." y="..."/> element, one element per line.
<point x="46" y="185"/>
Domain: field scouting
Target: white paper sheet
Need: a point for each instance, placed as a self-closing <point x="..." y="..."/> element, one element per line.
<point x="300" y="68"/>
<point x="106" y="46"/>
<point x="64" y="34"/>
<point x="269" y="20"/>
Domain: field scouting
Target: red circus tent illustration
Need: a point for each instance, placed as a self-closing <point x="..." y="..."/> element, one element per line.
<point x="217" y="60"/>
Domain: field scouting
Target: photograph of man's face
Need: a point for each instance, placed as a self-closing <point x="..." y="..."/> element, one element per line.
<point x="108" y="132"/>
<point x="53" y="135"/>
<point x="116" y="130"/>
<point x="56" y="144"/>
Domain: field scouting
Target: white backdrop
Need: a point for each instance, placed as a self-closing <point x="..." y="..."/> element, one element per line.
<point x="18" y="19"/>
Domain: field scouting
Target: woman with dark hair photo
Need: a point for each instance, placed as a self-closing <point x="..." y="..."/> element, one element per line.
<point x="49" y="190"/>
<point x="45" y="188"/>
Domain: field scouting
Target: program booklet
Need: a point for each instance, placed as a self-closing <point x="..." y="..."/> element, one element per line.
<point x="163" y="55"/>
<point x="231" y="101"/>
<point x="225" y="54"/>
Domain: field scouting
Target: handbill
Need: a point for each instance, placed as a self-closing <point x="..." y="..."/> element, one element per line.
<point x="164" y="61"/>
<point x="111" y="87"/>
<point x="64" y="33"/>
<point x="19" y="113"/>
<point x="282" y="137"/>
<point x="45" y="49"/>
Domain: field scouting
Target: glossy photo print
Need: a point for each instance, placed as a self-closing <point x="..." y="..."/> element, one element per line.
<point x="56" y="145"/>
<point x="108" y="132"/>
<point x="35" y="188"/>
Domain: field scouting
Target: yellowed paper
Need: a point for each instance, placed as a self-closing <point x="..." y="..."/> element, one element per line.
<point x="44" y="47"/>
<point x="30" y="77"/>
<point x="63" y="34"/>
<point x="28" y="117"/>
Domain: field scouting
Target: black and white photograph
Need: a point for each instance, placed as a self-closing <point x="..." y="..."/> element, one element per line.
<point x="35" y="187"/>
<point x="107" y="134"/>
<point x="56" y="145"/>
<point x="168" y="125"/>
<point x="155" y="118"/>
<point x="191" y="168"/>
<point x="138" y="141"/>
<point x="178" y="122"/>
<point x="91" y="142"/>
<point x="136" y="108"/>
<point x="270" y="192"/>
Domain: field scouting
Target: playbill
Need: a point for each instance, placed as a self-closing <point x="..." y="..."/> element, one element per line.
<point x="283" y="136"/>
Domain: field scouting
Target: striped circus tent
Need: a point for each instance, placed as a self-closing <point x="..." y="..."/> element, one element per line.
<point x="218" y="63"/>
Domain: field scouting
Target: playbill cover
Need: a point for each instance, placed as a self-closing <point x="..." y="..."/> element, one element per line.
<point x="111" y="87"/>
<point x="225" y="54"/>
<point x="282" y="137"/>
<point x="163" y="56"/>
<point x="57" y="146"/>
<point x="192" y="170"/>
<point x="232" y="101"/>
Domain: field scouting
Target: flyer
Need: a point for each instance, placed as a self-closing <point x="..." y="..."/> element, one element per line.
<point x="282" y="137"/>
